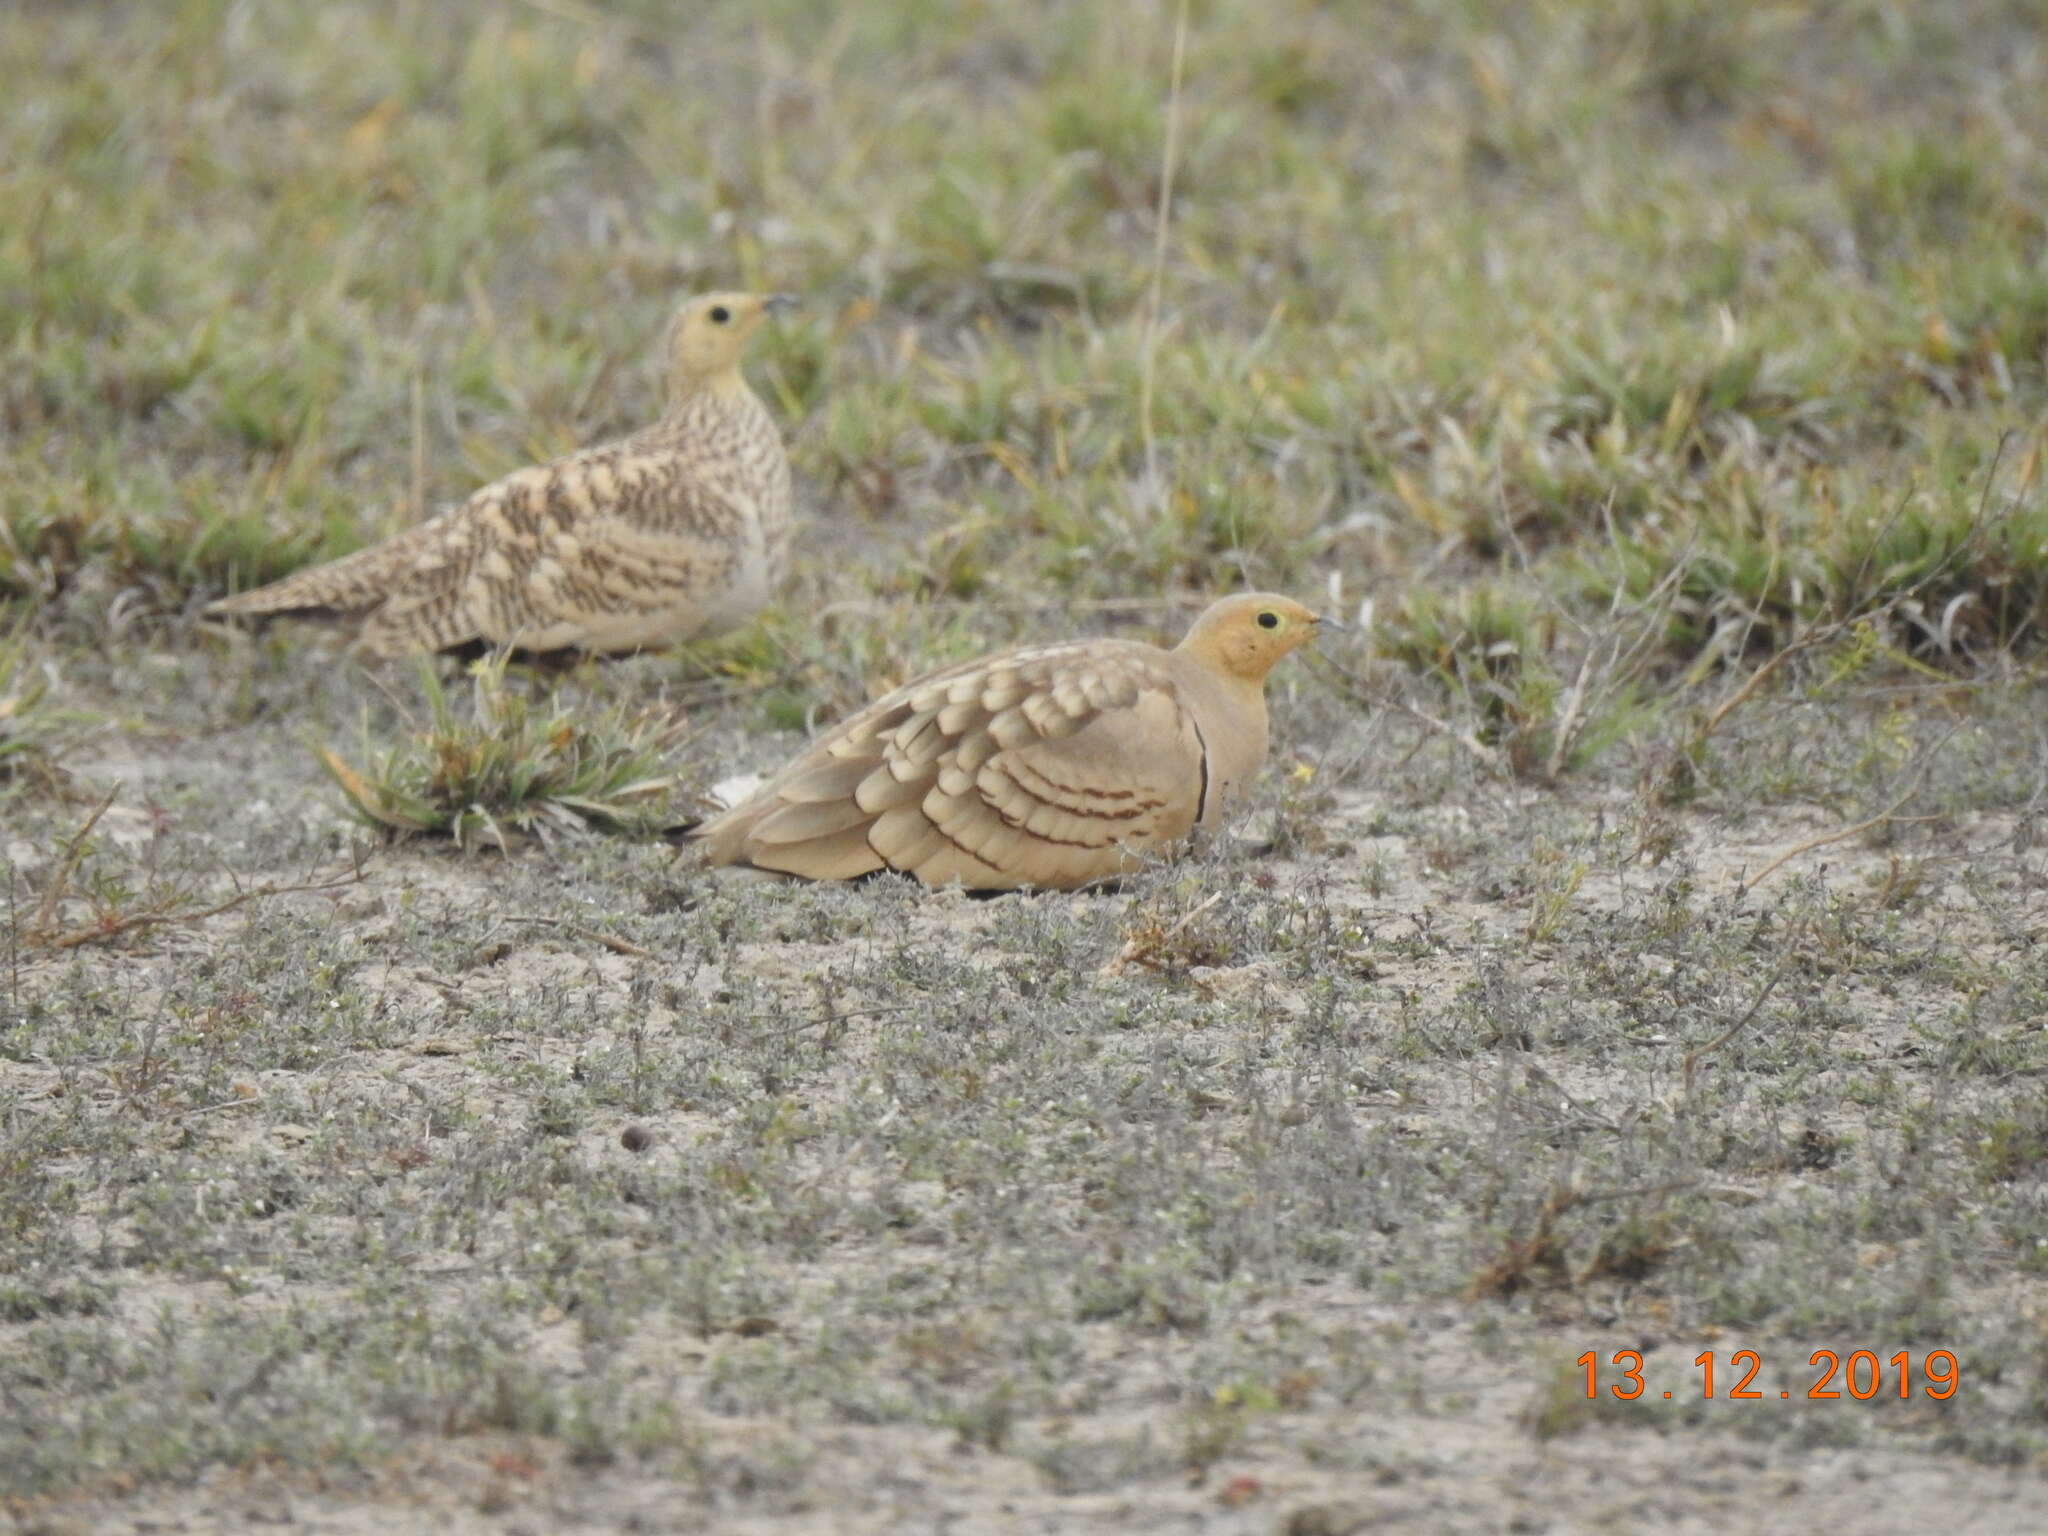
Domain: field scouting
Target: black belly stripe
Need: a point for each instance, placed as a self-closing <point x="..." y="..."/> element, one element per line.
<point x="1202" y="799"/>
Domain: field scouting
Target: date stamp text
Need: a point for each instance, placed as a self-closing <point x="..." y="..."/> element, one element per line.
<point x="1862" y="1374"/>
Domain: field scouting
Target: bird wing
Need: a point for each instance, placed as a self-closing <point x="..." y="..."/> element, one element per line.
<point x="1054" y="767"/>
<point x="607" y="549"/>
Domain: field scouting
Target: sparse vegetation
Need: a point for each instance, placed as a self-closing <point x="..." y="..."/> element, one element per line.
<point x="1634" y="941"/>
<point x="27" y="726"/>
<point x="90" y="897"/>
<point x="514" y="766"/>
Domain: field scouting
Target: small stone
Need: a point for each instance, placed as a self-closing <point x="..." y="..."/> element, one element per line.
<point x="1733" y="1194"/>
<point x="1322" y="1520"/>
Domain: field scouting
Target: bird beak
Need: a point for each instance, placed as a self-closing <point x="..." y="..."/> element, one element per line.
<point x="776" y="303"/>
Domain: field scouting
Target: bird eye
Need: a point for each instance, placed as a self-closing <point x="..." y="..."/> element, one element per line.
<point x="1268" y="619"/>
<point x="720" y="314"/>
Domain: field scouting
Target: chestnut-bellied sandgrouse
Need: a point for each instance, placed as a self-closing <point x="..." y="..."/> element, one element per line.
<point x="1055" y="766"/>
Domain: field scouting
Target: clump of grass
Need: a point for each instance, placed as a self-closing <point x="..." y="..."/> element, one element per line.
<point x="509" y="768"/>
<point x="1952" y="578"/>
<point x="1156" y="941"/>
<point x="1548" y="691"/>
<point x="2012" y="1146"/>
<point x="1945" y="577"/>
<point x="1626" y="1247"/>
<point x="99" y="522"/>
<point x="1479" y="640"/>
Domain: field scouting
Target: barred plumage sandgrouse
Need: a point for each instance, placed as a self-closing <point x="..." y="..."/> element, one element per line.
<point x="681" y="529"/>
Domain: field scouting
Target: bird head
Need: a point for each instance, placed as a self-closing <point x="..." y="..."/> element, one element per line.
<point x="1243" y="636"/>
<point x="710" y="332"/>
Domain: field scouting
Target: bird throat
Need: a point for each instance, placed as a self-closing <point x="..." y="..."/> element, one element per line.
<point x="714" y="393"/>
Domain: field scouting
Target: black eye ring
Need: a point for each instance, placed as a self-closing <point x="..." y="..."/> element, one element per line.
<point x="720" y="314"/>
<point x="1269" y="620"/>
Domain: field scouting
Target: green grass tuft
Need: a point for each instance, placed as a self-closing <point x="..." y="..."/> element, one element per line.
<point x="509" y="767"/>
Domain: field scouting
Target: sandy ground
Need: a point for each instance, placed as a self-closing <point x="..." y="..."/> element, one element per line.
<point x="1449" y="1435"/>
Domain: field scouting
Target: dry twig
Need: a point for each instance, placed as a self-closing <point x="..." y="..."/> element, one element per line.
<point x="1889" y="814"/>
<point x="1700" y="1053"/>
<point x="616" y="945"/>
<point x="1161" y="225"/>
<point x="45" y="930"/>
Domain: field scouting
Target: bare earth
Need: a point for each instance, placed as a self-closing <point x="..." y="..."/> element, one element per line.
<point x="1185" y="1207"/>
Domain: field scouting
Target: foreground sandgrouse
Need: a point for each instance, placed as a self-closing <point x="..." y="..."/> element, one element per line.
<point x="681" y="529"/>
<point x="1056" y="766"/>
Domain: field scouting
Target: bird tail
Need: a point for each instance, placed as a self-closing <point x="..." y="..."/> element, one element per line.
<point x="722" y="837"/>
<point x="349" y="585"/>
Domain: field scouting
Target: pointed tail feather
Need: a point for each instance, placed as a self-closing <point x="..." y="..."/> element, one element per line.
<point x="724" y="837"/>
<point x="352" y="584"/>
